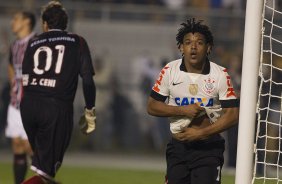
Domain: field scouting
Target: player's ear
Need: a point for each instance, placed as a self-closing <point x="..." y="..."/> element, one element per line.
<point x="45" y="27"/>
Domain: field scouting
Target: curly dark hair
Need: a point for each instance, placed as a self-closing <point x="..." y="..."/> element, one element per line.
<point x="55" y="15"/>
<point x="194" y="26"/>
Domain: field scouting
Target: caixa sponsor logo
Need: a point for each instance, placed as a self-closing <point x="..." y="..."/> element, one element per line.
<point x="204" y="102"/>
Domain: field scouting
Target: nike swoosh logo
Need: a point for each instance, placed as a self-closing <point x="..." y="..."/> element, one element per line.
<point x="174" y="84"/>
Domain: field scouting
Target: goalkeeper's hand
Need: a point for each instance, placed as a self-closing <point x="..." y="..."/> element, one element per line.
<point x="87" y="122"/>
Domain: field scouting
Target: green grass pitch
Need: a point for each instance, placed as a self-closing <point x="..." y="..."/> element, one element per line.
<point x="86" y="175"/>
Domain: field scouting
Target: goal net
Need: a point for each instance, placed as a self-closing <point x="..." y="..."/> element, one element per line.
<point x="268" y="148"/>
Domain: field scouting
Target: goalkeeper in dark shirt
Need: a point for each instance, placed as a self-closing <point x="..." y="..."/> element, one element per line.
<point x="52" y="63"/>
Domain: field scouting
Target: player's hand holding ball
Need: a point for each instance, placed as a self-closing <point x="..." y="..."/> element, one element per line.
<point x="177" y="124"/>
<point x="87" y="122"/>
<point x="193" y="110"/>
<point x="188" y="134"/>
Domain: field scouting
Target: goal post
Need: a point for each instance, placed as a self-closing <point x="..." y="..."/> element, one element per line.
<point x="249" y="87"/>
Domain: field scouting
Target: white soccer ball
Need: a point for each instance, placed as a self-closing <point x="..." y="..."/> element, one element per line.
<point x="177" y="124"/>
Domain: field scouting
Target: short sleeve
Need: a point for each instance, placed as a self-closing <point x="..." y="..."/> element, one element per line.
<point x="161" y="85"/>
<point x="86" y="67"/>
<point x="226" y="90"/>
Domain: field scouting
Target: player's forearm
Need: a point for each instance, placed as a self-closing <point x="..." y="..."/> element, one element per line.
<point x="158" y="108"/>
<point x="11" y="74"/>
<point x="227" y="120"/>
<point x="89" y="91"/>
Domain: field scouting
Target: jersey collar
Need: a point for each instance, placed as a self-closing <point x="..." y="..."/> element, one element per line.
<point x="205" y="71"/>
<point x="28" y="37"/>
<point x="54" y="30"/>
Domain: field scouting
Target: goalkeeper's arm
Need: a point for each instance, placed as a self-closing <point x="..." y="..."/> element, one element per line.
<point x="88" y="120"/>
<point x="89" y="91"/>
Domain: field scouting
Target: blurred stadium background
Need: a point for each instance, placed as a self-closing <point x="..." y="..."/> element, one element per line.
<point x="130" y="41"/>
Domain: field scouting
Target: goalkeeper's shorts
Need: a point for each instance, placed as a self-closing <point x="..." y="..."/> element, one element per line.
<point x="48" y="123"/>
<point x="198" y="162"/>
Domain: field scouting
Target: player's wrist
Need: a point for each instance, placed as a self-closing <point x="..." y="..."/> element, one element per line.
<point x="89" y="109"/>
<point x="182" y="111"/>
<point x="205" y="132"/>
<point x="90" y="112"/>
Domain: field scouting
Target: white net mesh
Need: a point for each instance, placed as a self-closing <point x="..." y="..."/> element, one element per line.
<point x="268" y="149"/>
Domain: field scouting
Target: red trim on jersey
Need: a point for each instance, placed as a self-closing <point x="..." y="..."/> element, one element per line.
<point x="159" y="80"/>
<point x="230" y="90"/>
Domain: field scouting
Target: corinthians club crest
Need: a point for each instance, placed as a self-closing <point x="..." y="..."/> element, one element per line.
<point x="209" y="86"/>
<point x="193" y="89"/>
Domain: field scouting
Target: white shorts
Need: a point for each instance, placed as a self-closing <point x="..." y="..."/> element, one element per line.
<point x="15" y="127"/>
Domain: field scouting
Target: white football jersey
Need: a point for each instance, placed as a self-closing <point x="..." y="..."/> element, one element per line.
<point x="212" y="90"/>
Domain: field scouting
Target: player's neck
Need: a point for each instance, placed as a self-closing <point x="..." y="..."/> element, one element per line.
<point x="23" y="33"/>
<point x="190" y="68"/>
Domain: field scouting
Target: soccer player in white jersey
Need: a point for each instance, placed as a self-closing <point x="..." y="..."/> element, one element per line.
<point x="22" y="26"/>
<point x="198" y="96"/>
